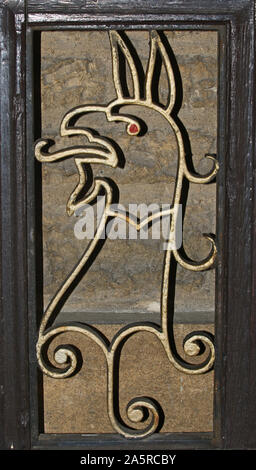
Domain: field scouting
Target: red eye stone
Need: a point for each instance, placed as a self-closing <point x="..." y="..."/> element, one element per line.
<point x="133" y="129"/>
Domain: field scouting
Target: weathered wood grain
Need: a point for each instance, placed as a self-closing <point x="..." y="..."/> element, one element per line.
<point x="13" y="325"/>
<point x="138" y="6"/>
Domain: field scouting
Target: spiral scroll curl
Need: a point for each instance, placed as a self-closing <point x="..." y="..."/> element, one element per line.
<point x="136" y="411"/>
<point x="65" y="355"/>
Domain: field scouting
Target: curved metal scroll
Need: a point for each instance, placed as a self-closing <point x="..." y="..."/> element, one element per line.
<point x="102" y="150"/>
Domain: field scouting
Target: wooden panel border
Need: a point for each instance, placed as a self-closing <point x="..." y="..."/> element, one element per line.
<point x="235" y="372"/>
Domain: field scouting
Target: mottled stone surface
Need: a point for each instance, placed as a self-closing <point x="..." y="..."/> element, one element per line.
<point x="126" y="276"/>
<point x="79" y="404"/>
<point x="76" y="69"/>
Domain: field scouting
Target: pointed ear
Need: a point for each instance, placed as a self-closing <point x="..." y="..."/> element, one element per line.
<point x="121" y="54"/>
<point x="158" y="47"/>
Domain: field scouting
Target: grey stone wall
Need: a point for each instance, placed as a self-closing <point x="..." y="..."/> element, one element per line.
<point x="126" y="277"/>
<point x="124" y="283"/>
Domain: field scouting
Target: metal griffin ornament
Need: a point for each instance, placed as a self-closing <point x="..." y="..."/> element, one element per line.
<point x="101" y="150"/>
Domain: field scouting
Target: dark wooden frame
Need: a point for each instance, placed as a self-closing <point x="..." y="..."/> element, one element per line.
<point x="235" y="373"/>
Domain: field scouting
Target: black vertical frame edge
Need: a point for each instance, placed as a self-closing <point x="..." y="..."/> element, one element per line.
<point x="14" y="365"/>
<point x="238" y="361"/>
<point x="235" y="382"/>
<point x="34" y="226"/>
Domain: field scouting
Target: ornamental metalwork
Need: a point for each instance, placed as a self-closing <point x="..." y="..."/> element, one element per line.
<point x="103" y="151"/>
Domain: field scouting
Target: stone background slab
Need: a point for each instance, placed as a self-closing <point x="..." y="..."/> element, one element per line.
<point x="124" y="282"/>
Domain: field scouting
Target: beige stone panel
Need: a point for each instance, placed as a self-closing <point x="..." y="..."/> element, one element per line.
<point x="127" y="275"/>
<point x="72" y="74"/>
<point x="78" y="404"/>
